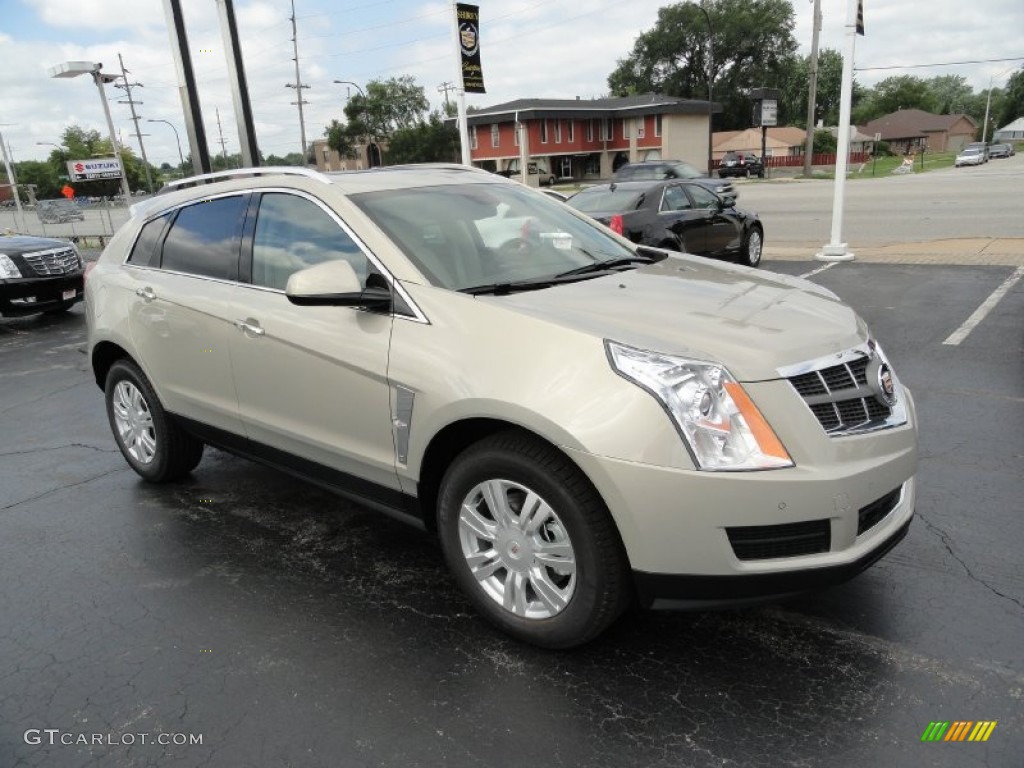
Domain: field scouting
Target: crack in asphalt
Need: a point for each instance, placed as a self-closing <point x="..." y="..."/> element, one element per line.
<point x="43" y="396"/>
<point x="64" y="487"/>
<point x="946" y="542"/>
<point x="59" y="448"/>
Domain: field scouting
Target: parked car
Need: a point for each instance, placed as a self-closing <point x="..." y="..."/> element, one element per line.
<point x="659" y="170"/>
<point x="970" y="156"/>
<point x="532" y="168"/>
<point x="39" y="274"/>
<point x="582" y="421"/>
<point x="677" y="215"/>
<point x="741" y="164"/>
<point x="999" y="150"/>
<point x="982" y="147"/>
<point x="58" y="211"/>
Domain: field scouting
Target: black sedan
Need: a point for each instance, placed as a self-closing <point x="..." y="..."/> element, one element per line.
<point x="39" y="274"/>
<point x="676" y="215"/>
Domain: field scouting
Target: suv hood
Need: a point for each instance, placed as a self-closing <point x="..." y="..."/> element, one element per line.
<point x="750" y="321"/>
<point x="17" y="244"/>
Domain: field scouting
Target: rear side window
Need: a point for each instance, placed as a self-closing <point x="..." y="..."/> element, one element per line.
<point x="605" y="200"/>
<point x="146" y="252"/>
<point x="293" y="233"/>
<point x="703" y="198"/>
<point x="205" y="239"/>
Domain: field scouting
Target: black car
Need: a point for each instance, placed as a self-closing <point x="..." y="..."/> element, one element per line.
<point x="39" y="274"/>
<point x="741" y="164"/>
<point x="676" y="215"/>
<point x="658" y="170"/>
<point x="999" y="150"/>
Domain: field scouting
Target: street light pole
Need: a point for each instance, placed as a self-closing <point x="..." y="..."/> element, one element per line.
<point x="181" y="158"/>
<point x="710" y="74"/>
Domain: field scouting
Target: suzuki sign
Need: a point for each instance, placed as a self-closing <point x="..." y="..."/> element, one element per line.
<point x="91" y="170"/>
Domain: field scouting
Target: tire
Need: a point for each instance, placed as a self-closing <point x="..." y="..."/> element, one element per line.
<point x="753" y="245"/>
<point x="555" y="576"/>
<point x="152" y="443"/>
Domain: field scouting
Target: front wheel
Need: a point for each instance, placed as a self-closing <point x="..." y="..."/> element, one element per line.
<point x="530" y="542"/>
<point x="753" y="244"/>
<point x="150" y="440"/>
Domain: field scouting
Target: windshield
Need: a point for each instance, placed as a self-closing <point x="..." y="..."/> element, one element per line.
<point x="597" y="200"/>
<point x="467" y="235"/>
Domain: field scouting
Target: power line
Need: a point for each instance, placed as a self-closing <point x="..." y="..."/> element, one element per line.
<point x="135" y="119"/>
<point x="939" y="64"/>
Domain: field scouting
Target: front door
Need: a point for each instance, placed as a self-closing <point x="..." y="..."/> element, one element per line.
<point x="312" y="381"/>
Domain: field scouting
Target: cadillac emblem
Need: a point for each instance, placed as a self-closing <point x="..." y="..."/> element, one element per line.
<point x="883" y="383"/>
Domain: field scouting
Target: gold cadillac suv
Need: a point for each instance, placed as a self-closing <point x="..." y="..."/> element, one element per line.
<point x="583" y="421"/>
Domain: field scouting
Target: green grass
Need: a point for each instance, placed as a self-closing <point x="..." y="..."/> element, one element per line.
<point x="884" y="166"/>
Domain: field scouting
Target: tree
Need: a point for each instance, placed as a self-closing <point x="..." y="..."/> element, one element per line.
<point x="753" y="47"/>
<point x="388" y="106"/>
<point x="826" y="102"/>
<point x="42" y="174"/>
<point x="429" y="141"/>
<point x="893" y="94"/>
<point x="950" y="93"/>
<point x="1012" y="105"/>
<point x="80" y="144"/>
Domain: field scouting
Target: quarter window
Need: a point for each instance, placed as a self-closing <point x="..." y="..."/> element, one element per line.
<point x="674" y="199"/>
<point x="205" y="238"/>
<point x="146" y="252"/>
<point x="293" y="233"/>
<point x="703" y="198"/>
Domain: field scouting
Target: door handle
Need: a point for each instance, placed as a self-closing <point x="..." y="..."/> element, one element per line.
<point x="146" y="294"/>
<point x="250" y="326"/>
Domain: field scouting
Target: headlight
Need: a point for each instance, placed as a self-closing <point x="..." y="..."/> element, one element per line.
<point x="8" y="268"/>
<point x="717" y="419"/>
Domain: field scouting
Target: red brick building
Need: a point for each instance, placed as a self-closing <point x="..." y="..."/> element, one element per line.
<point x="588" y="139"/>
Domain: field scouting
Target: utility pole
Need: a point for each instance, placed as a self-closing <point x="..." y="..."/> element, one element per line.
<point x="135" y="118"/>
<point x="223" y="143"/>
<point x="297" y="85"/>
<point x="444" y="88"/>
<point x="812" y="90"/>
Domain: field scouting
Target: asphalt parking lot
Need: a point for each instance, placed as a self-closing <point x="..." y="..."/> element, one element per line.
<point x="286" y="627"/>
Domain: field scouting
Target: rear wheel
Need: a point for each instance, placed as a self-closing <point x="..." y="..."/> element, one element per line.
<point x="753" y="244"/>
<point x="150" y="440"/>
<point x="530" y="542"/>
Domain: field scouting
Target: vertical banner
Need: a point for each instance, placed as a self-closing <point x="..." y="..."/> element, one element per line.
<point x="860" y="17"/>
<point x="467" y="19"/>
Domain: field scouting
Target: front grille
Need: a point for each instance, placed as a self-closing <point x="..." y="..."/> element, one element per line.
<point x="766" y="542"/>
<point x="871" y="515"/>
<point x="59" y="261"/>
<point x="839" y="397"/>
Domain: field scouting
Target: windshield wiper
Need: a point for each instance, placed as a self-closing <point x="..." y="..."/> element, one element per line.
<point x="608" y="265"/>
<point x="534" y="284"/>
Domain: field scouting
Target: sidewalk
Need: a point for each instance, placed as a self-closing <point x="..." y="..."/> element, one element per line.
<point x="973" y="251"/>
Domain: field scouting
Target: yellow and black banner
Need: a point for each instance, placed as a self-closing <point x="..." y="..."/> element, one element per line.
<point x="860" y="17"/>
<point x="467" y="17"/>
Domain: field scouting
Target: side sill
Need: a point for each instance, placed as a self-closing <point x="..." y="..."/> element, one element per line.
<point x="377" y="497"/>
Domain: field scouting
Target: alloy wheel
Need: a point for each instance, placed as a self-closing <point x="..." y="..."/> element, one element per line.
<point x="134" y="422"/>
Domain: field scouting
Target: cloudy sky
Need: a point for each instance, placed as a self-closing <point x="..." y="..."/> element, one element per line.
<point x="531" y="48"/>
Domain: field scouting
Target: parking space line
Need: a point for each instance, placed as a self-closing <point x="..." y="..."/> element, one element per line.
<point x="819" y="270"/>
<point x="987" y="306"/>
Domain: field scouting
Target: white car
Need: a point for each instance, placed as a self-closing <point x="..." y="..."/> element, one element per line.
<point x="970" y="156"/>
<point x="582" y="421"/>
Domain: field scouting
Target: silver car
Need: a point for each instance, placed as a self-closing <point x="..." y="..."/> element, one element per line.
<point x="583" y="422"/>
<point x="969" y="156"/>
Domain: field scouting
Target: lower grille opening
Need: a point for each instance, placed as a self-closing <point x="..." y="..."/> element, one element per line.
<point x="871" y="515"/>
<point x="766" y="542"/>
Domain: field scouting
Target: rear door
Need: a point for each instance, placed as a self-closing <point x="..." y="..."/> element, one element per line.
<point x="311" y="381"/>
<point x="679" y="216"/>
<point x="182" y="273"/>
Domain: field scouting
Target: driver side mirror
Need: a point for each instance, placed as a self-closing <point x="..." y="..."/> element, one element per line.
<point x="334" y="284"/>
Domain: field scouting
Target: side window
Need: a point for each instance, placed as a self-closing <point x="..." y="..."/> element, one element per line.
<point x="205" y="238"/>
<point x="674" y="199"/>
<point x="293" y="233"/>
<point x="146" y="252"/>
<point x="703" y="198"/>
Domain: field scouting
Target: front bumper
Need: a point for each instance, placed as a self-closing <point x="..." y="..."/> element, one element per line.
<point x="30" y="295"/>
<point x="694" y="536"/>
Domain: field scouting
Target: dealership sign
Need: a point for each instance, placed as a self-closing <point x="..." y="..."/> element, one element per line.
<point x="91" y="170"/>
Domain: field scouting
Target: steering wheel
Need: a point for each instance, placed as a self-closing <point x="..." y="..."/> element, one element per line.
<point x="516" y="248"/>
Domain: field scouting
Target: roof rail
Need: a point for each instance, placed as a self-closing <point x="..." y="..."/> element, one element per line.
<point x="209" y="178"/>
